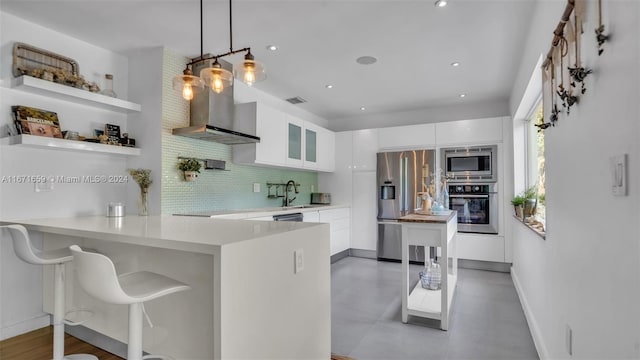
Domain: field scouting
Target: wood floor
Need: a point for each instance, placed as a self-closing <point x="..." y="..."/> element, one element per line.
<point x="38" y="345"/>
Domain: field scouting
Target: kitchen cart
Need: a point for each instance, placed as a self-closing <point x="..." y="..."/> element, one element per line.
<point x="429" y="231"/>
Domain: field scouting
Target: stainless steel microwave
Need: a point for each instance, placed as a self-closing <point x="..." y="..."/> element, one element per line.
<point x="478" y="163"/>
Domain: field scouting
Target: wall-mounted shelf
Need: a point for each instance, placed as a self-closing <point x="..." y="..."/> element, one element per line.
<point x="70" y="145"/>
<point x="68" y="93"/>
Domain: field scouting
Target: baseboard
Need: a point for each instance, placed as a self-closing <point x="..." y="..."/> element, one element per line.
<point x="98" y="340"/>
<point x="536" y="334"/>
<point x="369" y="254"/>
<point x="339" y="256"/>
<point x="25" y="326"/>
<point x="484" y="265"/>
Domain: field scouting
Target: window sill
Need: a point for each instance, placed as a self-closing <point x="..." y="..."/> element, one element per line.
<point x="542" y="234"/>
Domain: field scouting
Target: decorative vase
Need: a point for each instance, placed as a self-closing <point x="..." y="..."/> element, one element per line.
<point x="518" y="209"/>
<point x="529" y="207"/>
<point x="190" y="175"/>
<point x="142" y="204"/>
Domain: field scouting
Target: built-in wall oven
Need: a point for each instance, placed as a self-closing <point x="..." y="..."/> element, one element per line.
<point x="477" y="207"/>
<point x="472" y="173"/>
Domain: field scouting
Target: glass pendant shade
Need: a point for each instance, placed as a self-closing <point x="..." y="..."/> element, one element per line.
<point x="250" y="71"/>
<point x="216" y="77"/>
<point x="187" y="84"/>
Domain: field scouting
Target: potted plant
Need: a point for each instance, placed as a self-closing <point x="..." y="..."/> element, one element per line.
<point x="190" y="167"/>
<point x="530" y="201"/>
<point x="518" y="204"/>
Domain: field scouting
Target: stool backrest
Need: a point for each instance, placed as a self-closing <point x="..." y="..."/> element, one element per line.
<point x="97" y="276"/>
<point x="25" y="250"/>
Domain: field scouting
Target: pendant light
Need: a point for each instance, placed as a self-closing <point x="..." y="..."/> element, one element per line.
<point x="187" y="84"/>
<point x="216" y="77"/>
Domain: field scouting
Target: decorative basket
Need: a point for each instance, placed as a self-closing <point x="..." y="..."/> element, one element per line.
<point x="32" y="61"/>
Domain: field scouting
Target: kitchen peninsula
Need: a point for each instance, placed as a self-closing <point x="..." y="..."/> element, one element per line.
<point x="248" y="299"/>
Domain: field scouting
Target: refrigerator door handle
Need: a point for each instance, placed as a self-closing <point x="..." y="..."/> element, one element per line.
<point x="405" y="191"/>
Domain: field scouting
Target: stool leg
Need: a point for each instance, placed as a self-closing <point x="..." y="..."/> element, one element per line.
<point x="58" y="312"/>
<point x="134" y="349"/>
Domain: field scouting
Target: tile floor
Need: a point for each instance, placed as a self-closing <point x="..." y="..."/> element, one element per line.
<point x="487" y="320"/>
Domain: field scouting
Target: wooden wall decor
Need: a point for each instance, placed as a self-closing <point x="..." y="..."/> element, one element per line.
<point x="563" y="75"/>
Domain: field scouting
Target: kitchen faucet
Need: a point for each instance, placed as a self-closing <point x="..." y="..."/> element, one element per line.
<point x="287" y="201"/>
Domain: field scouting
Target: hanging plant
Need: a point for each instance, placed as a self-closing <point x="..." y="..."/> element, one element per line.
<point x="577" y="72"/>
<point x="601" y="38"/>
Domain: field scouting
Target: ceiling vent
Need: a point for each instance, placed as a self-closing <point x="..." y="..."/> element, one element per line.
<point x="296" y="100"/>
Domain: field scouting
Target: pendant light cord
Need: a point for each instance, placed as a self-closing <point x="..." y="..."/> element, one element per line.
<point x="201" y="47"/>
<point x="230" y="28"/>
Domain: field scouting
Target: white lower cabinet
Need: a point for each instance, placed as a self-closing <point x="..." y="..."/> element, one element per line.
<point x="480" y="247"/>
<point x="310" y="216"/>
<point x="340" y="222"/>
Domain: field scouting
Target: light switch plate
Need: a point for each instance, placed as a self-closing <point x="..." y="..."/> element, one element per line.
<point x="256" y="187"/>
<point x="619" y="175"/>
<point x="298" y="259"/>
<point x="313" y="188"/>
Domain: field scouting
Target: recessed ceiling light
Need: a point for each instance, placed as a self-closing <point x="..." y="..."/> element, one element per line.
<point x="463" y="95"/>
<point x="455" y="64"/>
<point x="329" y="86"/>
<point x="272" y="47"/>
<point x="441" y="3"/>
<point x="363" y="108"/>
<point x="366" y="60"/>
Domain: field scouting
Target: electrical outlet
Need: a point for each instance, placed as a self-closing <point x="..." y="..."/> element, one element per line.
<point x="298" y="259"/>
<point x="256" y="187"/>
<point x="569" y="340"/>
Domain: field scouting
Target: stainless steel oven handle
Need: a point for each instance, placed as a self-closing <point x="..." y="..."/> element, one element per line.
<point x="470" y="196"/>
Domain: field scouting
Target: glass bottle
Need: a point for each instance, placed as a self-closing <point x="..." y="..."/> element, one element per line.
<point x="108" y="86"/>
<point x="445" y="198"/>
<point x="436" y="276"/>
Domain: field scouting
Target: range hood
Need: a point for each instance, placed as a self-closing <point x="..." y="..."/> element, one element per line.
<point x="212" y="114"/>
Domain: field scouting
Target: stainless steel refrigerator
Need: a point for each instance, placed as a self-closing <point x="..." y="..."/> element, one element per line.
<point x="400" y="177"/>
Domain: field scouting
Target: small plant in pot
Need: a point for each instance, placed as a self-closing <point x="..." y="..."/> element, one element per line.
<point x="190" y="167"/>
<point x="518" y="204"/>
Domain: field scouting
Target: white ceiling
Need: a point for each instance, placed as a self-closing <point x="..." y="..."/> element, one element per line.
<point x="319" y="41"/>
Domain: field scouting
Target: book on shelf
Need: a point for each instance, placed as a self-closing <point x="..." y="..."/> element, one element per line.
<point x="38" y="122"/>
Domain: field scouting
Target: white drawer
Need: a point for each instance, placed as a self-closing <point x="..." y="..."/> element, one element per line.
<point x="339" y="224"/>
<point x="328" y="215"/>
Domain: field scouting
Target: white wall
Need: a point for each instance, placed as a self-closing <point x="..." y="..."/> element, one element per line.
<point x="586" y="274"/>
<point x="21" y="286"/>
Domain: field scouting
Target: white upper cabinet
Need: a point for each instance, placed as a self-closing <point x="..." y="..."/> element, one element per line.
<point x="295" y="141"/>
<point x="285" y="141"/>
<point x="407" y="137"/>
<point x="270" y="125"/>
<point x="311" y="137"/>
<point x="365" y="147"/>
<point x="464" y="132"/>
<point x="326" y="150"/>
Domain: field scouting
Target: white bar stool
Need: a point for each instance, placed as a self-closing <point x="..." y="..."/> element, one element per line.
<point x="97" y="275"/>
<point x="26" y="252"/>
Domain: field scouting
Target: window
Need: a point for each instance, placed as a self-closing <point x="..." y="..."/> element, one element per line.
<point x="535" y="164"/>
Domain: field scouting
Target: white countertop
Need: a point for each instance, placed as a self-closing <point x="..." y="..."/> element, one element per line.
<point x="254" y="213"/>
<point x="195" y="234"/>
